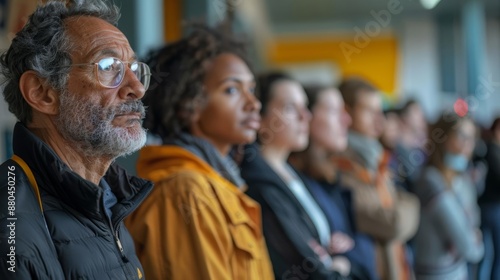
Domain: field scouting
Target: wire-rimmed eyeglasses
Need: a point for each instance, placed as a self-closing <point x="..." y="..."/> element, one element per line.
<point x="110" y="71"/>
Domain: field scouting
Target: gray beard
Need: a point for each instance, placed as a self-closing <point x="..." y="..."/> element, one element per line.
<point x="88" y="127"/>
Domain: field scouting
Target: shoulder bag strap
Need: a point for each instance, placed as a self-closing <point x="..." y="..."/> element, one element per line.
<point x="31" y="178"/>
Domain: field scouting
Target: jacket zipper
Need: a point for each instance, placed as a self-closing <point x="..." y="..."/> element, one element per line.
<point x="115" y="236"/>
<point x="116" y="224"/>
<point x="120" y="247"/>
<point x="118" y="243"/>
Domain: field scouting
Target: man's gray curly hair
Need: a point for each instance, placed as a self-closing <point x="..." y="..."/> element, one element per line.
<point x="44" y="47"/>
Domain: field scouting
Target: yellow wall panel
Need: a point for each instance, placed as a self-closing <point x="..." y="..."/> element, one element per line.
<point x="376" y="61"/>
<point x="172" y="11"/>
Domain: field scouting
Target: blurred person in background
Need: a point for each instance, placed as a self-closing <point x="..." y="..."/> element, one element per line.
<point x="198" y="223"/>
<point x="409" y="154"/>
<point x="448" y="236"/>
<point x="479" y="167"/>
<point x="390" y="139"/>
<point x="391" y="134"/>
<point x="297" y="231"/>
<point x="388" y="215"/>
<point x="489" y="202"/>
<point x="328" y="136"/>
<point x="414" y="124"/>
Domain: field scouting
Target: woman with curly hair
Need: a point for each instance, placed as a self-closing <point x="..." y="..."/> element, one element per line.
<point x="197" y="223"/>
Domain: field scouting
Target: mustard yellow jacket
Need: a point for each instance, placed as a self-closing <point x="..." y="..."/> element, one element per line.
<point x="195" y="224"/>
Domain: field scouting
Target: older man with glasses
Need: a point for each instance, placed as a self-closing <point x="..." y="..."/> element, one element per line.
<point x="73" y="82"/>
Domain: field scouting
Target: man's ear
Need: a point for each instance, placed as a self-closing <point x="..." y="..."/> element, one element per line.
<point x="38" y="94"/>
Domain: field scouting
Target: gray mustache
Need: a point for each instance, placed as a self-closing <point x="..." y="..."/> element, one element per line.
<point x="135" y="106"/>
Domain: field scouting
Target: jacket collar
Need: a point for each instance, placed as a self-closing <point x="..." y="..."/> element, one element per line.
<point x="260" y="176"/>
<point x="158" y="163"/>
<point x="254" y="168"/>
<point x="56" y="179"/>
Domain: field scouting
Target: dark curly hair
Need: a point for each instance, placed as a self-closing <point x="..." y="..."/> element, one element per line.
<point x="44" y="47"/>
<point x="178" y="70"/>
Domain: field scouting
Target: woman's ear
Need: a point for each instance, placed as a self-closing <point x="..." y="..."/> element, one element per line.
<point x="198" y="105"/>
<point x="195" y="113"/>
<point x="192" y="113"/>
<point x="38" y="94"/>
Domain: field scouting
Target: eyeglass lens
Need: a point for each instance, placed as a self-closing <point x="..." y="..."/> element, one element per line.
<point x="112" y="70"/>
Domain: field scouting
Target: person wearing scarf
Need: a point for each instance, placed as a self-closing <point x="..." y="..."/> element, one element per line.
<point x="388" y="215"/>
<point x="198" y="223"/>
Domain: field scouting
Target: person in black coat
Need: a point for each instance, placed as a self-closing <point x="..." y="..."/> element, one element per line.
<point x="73" y="82"/>
<point x="300" y="242"/>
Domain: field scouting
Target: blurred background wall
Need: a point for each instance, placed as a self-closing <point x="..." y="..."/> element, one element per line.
<point x="429" y="50"/>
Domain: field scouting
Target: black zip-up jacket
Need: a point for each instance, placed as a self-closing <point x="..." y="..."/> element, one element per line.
<point x="83" y="242"/>
<point x="287" y="226"/>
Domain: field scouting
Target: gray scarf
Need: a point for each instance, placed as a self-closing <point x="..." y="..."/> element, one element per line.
<point x="369" y="150"/>
<point x="225" y="166"/>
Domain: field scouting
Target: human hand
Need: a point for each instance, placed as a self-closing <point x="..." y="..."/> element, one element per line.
<point x="342" y="265"/>
<point x="340" y="243"/>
